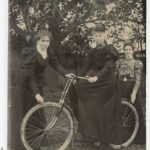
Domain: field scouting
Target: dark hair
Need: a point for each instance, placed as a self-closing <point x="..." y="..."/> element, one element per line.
<point x="40" y="34"/>
<point x="128" y="44"/>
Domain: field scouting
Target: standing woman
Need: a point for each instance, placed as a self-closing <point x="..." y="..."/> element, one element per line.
<point x="130" y="73"/>
<point x="30" y="82"/>
<point x="99" y="103"/>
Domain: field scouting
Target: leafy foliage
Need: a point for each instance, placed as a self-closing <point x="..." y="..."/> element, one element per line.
<point x="71" y="21"/>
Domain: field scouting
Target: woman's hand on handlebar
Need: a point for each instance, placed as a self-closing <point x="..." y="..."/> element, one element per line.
<point x="69" y="75"/>
<point x="39" y="98"/>
<point x="92" y="79"/>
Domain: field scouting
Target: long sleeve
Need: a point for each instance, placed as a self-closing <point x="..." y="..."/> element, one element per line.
<point x="110" y="55"/>
<point x="87" y="63"/>
<point x="53" y="61"/>
<point x="109" y="66"/>
<point x="84" y="70"/>
<point x="60" y="69"/>
<point x="28" y="66"/>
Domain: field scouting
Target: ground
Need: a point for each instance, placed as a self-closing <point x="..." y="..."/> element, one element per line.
<point x="86" y="146"/>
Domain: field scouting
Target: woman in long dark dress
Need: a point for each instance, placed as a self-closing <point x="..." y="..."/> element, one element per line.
<point x="30" y="82"/>
<point x="130" y="75"/>
<point x="99" y="103"/>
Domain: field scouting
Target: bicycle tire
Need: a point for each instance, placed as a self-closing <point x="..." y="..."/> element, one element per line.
<point x="135" y="129"/>
<point x="36" y="108"/>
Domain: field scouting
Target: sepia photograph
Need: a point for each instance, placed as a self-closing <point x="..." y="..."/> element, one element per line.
<point x="76" y="75"/>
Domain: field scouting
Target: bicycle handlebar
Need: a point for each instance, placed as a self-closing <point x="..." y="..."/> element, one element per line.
<point x="78" y="77"/>
<point x="84" y="78"/>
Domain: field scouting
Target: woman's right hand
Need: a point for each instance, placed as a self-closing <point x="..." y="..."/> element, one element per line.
<point x="92" y="79"/>
<point x="39" y="98"/>
<point x="69" y="75"/>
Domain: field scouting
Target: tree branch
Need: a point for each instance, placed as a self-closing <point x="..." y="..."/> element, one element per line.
<point x="16" y="28"/>
<point x="70" y="29"/>
<point x="26" y="18"/>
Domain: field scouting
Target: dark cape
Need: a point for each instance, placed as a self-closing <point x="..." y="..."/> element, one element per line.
<point x="30" y="82"/>
<point x="99" y="104"/>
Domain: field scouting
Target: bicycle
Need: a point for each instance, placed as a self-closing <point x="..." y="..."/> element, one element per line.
<point x="57" y="126"/>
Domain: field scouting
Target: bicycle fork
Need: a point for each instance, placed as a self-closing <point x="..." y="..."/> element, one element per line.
<point x="61" y="103"/>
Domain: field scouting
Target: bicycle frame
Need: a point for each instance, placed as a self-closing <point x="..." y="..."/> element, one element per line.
<point x="59" y="108"/>
<point x="61" y="103"/>
<point x="62" y="99"/>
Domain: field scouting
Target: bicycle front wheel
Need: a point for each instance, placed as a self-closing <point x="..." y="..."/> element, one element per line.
<point x="34" y="133"/>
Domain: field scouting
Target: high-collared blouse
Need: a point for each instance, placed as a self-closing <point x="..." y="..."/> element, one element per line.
<point x="33" y="65"/>
<point x="100" y="61"/>
<point x="129" y="69"/>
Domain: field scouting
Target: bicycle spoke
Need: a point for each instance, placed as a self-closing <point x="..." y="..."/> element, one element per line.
<point x="129" y="120"/>
<point x="128" y="116"/>
<point x="39" y="143"/>
<point x="63" y="129"/>
<point x="30" y="131"/>
<point x="60" y="125"/>
<point x="129" y="125"/>
<point x="125" y="112"/>
<point x="50" y="115"/>
<point x="32" y="139"/>
<point x="35" y="133"/>
<point x="60" y="122"/>
<point x="36" y="139"/>
<point x="34" y="127"/>
<point x="36" y="120"/>
<point x="42" y="117"/>
<point x="59" y="131"/>
<point x="46" y="137"/>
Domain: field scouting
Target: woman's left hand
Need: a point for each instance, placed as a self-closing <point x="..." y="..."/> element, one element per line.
<point x="133" y="97"/>
<point x="92" y="79"/>
<point x="39" y="98"/>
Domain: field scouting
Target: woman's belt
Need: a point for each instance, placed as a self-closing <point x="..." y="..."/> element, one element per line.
<point x="125" y="79"/>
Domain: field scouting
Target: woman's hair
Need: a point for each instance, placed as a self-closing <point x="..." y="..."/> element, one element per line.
<point x="40" y="34"/>
<point x="128" y="44"/>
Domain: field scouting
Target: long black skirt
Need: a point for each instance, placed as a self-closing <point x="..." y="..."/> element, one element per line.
<point x="22" y="101"/>
<point x="126" y="90"/>
<point x="99" y="108"/>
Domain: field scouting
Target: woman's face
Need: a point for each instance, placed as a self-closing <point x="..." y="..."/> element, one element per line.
<point x="128" y="50"/>
<point x="99" y="37"/>
<point x="44" y="42"/>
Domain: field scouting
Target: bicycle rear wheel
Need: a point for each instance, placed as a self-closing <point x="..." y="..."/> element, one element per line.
<point x="130" y="125"/>
<point x="33" y="129"/>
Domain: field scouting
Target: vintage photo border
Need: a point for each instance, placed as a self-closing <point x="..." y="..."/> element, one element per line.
<point x="4" y="73"/>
